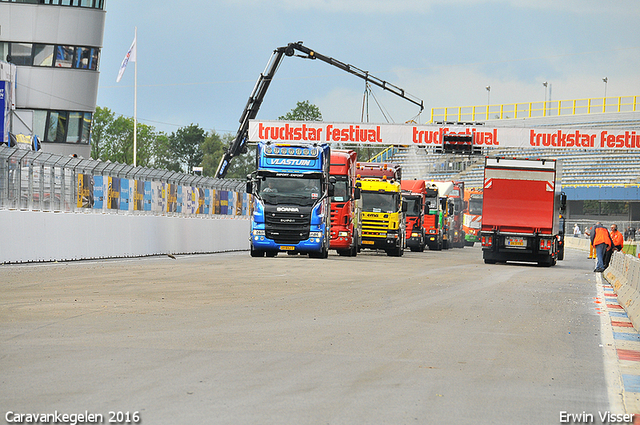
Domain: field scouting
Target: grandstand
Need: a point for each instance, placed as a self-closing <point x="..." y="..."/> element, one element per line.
<point x="588" y="175"/>
<point x="580" y="166"/>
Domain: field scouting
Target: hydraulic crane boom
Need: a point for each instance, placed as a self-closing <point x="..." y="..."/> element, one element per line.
<point x="238" y="145"/>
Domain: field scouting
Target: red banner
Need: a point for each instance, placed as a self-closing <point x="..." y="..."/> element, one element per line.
<point x="432" y="135"/>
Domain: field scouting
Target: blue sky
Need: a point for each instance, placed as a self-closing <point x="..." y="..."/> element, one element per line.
<point x="198" y="61"/>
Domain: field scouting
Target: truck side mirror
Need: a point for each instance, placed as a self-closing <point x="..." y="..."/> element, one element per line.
<point x="356" y="193"/>
<point x="405" y="207"/>
<point x="563" y="200"/>
<point x="331" y="190"/>
<point x="249" y="187"/>
<point x="451" y="209"/>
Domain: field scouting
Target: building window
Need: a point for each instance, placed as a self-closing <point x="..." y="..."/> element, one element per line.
<point x="26" y="54"/>
<point x="42" y="55"/>
<point x="64" y="56"/>
<point x="94" y="4"/>
<point x="75" y="125"/>
<point x="20" y="53"/>
<point x="4" y="51"/>
<point x="62" y="126"/>
<point x="39" y="123"/>
<point x="85" y="137"/>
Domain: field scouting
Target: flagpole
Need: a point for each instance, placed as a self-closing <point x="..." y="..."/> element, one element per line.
<point x="135" y="100"/>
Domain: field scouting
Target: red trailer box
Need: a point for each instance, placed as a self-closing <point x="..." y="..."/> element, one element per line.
<point x="522" y="211"/>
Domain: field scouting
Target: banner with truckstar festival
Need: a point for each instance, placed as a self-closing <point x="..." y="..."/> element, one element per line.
<point x="432" y="135"/>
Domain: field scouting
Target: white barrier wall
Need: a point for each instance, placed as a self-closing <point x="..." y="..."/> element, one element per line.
<point x="27" y="236"/>
<point x="624" y="275"/>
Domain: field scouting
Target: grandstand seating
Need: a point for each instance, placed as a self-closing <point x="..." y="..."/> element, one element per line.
<point x="580" y="167"/>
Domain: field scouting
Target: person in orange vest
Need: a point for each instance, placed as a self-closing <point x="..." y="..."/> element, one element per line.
<point x="617" y="241"/>
<point x="601" y="240"/>
<point x="617" y="238"/>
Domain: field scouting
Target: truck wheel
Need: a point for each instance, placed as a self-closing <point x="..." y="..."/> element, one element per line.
<point x="272" y="253"/>
<point x="548" y="262"/>
<point x="256" y="252"/>
<point x="322" y="254"/>
<point x="396" y="252"/>
<point x="353" y="251"/>
<point x="488" y="261"/>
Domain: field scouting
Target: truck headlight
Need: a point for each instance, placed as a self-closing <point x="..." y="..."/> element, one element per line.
<point x="315" y="234"/>
<point x="415" y="235"/>
<point x="343" y="234"/>
<point x="258" y="232"/>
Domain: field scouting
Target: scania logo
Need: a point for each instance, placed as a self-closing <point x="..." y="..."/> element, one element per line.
<point x="287" y="220"/>
<point x="287" y="209"/>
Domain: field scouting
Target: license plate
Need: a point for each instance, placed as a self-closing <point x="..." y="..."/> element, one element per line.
<point x="515" y="242"/>
<point x="287" y="248"/>
<point x="368" y="242"/>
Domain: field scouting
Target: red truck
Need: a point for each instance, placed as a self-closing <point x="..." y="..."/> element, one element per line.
<point x="345" y="210"/>
<point x="414" y="193"/>
<point x="434" y="218"/>
<point x="521" y="212"/>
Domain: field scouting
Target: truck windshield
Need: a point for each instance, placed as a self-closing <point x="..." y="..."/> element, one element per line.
<point x="341" y="192"/>
<point x="475" y="206"/>
<point x="290" y="190"/>
<point x="380" y="202"/>
<point x="414" y="206"/>
<point x="431" y="204"/>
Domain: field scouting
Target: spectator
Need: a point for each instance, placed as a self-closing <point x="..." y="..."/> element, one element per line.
<point x="617" y="243"/>
<point x="576" y="231"/>
<point x="601" y="240"/>
<point x="592" y="250"/>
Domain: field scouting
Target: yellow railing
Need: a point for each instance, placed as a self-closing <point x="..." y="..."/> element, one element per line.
<point x="597" y="105"/>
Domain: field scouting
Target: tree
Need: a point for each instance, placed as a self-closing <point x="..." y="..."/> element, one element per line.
<point x="112" y="138"/>
<point x="304" y="111"/>
<point x="212" y="150"/>
<point x="162" y="156"/>
<point x="186" y="145"/>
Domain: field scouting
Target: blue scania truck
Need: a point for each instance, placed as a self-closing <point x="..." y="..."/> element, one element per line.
<point x="292" y="195"/>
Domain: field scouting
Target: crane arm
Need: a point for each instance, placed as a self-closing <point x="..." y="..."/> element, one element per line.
<point x="250" y="111"/>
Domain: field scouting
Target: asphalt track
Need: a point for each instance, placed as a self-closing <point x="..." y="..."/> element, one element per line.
<point x="428" y="338"/>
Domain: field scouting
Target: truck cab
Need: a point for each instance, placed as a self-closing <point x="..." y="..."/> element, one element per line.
<point x="382" y="214"/>
<point x="433" y="219"/>
<point x="345" y="208"/>
<point x="291" y="189"/>
<point x="414" y="195"/>
<point x="472" y="218"/>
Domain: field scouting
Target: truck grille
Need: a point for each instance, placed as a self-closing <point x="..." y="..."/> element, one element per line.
<point x="287" y="228"/>
<point x="335" y="214"/>
<point x="375" y="228"/>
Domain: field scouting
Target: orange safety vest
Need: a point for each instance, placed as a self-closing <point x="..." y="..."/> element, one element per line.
<point x="617" y="238"/>
<point x="600" y="235"/>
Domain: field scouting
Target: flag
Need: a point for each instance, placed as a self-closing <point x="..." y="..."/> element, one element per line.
<point x="130" y="56"/>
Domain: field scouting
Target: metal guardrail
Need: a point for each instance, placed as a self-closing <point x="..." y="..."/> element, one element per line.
<point x="597" y="105"/>
<point x="40" y="181"/>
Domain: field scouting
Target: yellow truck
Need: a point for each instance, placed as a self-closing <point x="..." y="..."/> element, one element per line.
<point x="382" y="209"/>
